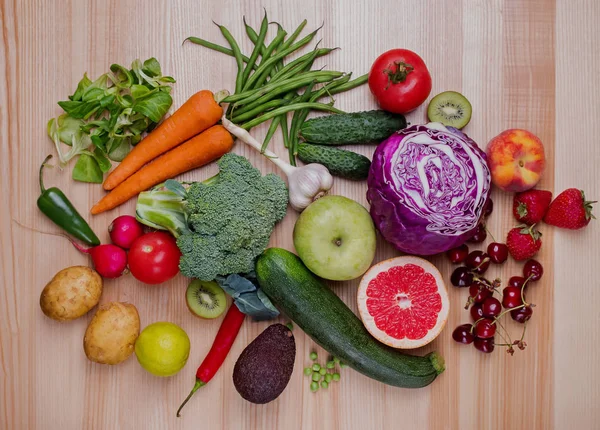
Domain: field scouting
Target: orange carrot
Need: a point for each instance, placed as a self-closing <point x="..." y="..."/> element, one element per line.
<point x="196" y="152"/>
<point x="194" y="116"/>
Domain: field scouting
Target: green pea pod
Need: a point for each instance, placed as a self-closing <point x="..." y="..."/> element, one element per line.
<point x="55" y="205"/>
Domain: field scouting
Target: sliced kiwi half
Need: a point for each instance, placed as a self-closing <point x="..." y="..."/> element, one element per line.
<point x="450" y="108"/>
<point x="205" y="299"/>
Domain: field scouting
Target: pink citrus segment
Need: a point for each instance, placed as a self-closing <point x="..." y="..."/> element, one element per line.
<point x="403" y="302"/>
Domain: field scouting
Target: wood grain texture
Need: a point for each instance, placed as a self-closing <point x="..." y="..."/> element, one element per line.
<point x="530" y="64"/>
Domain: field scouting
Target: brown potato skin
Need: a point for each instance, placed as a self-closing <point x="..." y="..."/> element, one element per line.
<point x="71" y="293"/>
<point x="110" y="337"/>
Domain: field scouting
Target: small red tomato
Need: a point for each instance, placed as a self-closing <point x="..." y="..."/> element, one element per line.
<point x="154" y="258"/>
<point x="399" y="80"/>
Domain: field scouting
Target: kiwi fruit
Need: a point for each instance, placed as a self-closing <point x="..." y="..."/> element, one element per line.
<point x="450" y="108"/>
<point x="205" y="299"/>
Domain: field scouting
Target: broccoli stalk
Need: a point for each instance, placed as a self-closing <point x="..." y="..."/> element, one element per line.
<point x="221" y="224"/>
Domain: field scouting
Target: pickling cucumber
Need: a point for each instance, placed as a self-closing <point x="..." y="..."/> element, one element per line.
<point x="351" y="128"/>
<point x="346" y="164"/>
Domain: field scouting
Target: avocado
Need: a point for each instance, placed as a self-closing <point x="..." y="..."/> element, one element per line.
<point x="264" y="368"/>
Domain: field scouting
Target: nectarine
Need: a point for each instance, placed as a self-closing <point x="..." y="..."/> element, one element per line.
<point x="516" y="159"/>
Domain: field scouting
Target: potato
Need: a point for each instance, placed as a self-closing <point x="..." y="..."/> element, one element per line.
<point x="110" y="337"/>
<point x="71" y="293"/>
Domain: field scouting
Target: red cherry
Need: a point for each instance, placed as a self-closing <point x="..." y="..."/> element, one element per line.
<point x="461" y="277"/>
<point x="491" y="307"/>
<point x="484" y="329"/>
<point x="533" y="270"/>
<point x="498" y="252"/>
<point x="516" y="281"/>
<point x="478" y="261"/>
<point x="484" y="345"/>
<point x="511" y="297"/>
<point x="480" y="234"/>
<point x="462" y="334"/>
<point x="488" y="207"/>
<point x="479" y="292"/>
<point x="522" y="314"/>
<point x="476" y="312"/>
<point x="457" y="255"/>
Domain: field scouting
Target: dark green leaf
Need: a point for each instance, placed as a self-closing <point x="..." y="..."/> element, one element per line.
<point x="92" y="94"/>
<point x="139" y="126"/>
<point x="79" y="109"/>
<point x="123" y="75"/>
<point x="119" y="149"/>
<point x="102" y="160"/>
<point x="248" y="297"/>
<point x="135" y="139"/>
<point x="155" y="106"/>
<point x="107" y="100"/>
<point x="167" y="79"/>
<point x="151" y="67"/>
<point x="139" y="91"/>
<point x="81" y="86"/>
<point x="125" y="100"/>
<point x="99" y="140"/>
<point x="87" y="170"/>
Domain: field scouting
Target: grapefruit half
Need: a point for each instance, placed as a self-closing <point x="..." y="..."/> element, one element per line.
<point x="403" y="302"/>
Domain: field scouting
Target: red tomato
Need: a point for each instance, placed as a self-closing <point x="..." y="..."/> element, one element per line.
<point x="154" y="258"/>
<point x="399" y="80"/>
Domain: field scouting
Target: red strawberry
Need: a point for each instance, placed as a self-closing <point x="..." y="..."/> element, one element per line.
<point x="523" y="242"/>
<point x="569" y="210"/>
<point x="530" y="206"/>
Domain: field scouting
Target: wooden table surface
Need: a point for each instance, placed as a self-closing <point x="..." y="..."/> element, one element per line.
<point x="527" y="64"/>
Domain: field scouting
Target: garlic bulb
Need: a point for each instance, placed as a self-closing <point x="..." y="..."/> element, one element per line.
<point x="306" y="183"/>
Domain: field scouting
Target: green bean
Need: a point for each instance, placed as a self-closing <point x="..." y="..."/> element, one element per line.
<point x="289" y="108"/>
<point x="327" y="89"/>
<point x="237" y="54"/>
<point x="284" y="130"/>
<point x="300" y="62"/>
<point x="253" y="36"/>
<point x="215" y="47"/>
<point x="237" y="119"/>
<point x="272" y="89"/>
<point x="269" y="50"/>
<point x="272" y="129"/>
<point x="297" y="120"/>
<point x="351" y="84"/>
<point x="279" y="56"/>
<point x="275" y="124"/>
<point x="295" y="35"/>
<point x="258" y="46"/>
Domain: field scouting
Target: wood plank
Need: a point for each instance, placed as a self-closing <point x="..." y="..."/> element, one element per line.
<point x="527" y="64"/>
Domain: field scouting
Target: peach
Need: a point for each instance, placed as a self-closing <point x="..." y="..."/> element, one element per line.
<point x="516" y="159"/>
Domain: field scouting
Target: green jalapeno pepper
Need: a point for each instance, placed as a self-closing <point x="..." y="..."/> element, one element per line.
<point x="55" y="205"/>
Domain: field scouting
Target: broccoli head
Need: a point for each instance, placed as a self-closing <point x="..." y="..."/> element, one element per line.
<point x="230" y="218"/>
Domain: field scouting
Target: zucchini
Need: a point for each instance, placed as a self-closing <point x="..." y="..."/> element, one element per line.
<point x="352" y="128"/>
<point x="329" y="322"/>
<point x="346" y="164"/>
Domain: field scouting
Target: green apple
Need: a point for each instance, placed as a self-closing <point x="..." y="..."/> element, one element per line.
<point x="335" y="238"/>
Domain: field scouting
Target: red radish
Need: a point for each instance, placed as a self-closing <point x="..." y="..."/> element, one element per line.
<point x="124" y="230"/>
<point x="109" y="260"/>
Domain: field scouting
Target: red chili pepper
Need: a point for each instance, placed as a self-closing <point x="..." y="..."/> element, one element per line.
<point x="230" y="327"/>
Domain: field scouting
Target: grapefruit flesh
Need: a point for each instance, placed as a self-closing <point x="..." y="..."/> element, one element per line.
<point x="403" y="302"/>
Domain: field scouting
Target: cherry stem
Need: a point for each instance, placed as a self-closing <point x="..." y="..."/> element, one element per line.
<point x="506" y="331"/>
<point x="507" y="311"/>
<point x="524" y="328"/>
<point x="489" y="232"/>
<point x="485" y="260"/>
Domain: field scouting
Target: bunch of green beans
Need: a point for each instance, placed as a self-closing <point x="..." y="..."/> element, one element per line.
<point x="267" y="88"/>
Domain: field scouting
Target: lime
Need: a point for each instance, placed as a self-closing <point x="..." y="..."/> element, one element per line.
<point x="162" y="348"/>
